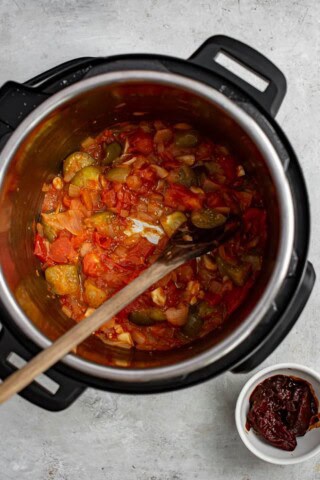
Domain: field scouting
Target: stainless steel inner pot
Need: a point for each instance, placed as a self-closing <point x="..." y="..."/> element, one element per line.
<point x="34" y="154"/>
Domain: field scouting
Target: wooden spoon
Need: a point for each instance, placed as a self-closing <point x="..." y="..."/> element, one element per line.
<point x="177" y="253"/>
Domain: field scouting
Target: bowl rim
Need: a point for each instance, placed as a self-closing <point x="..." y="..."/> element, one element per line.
<point x="253" y="381"/>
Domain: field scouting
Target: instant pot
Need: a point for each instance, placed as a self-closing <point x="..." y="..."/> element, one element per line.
<point x="46" y="118"/>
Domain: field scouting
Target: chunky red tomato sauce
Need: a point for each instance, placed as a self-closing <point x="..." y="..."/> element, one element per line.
<point x="113" y="209"/>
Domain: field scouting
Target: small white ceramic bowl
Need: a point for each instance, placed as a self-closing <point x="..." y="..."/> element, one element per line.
<point x="307" y="447"/>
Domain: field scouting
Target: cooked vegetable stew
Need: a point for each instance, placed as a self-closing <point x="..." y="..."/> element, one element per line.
<point x="114" y="208"/>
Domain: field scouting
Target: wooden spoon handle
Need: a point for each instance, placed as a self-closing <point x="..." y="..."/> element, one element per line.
<point x="77" y="334"/>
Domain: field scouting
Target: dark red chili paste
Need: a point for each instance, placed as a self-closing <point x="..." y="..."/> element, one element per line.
<point x="281" y="409"/>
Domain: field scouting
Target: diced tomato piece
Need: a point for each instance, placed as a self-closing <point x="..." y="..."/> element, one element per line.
<point x="108" y="136"/>
<point x="148" y="174"/>
<point x="134" y="182"/>
<point x="141" y="142"/>
<point x="173" y="294"/>
<point x="62" y="251"/>
<point x="125" y="198"/>
<point x="86" y="199"/>
<point x="212" y="298"/>
<point x="168" y="160"/>
<point x="215" y="199"/>
<point x="95" y="150"/>
<point x="41" y="248"/>
<point x="112" y="266"/>
<point x="75" y="305"/>
<point x="101" y="240"/>
<point x="92" y="265"/>
<point x="229" y="252"/>
<point x="229" y="166"/>
<point x="179" y="197"/>
<point x="186" y="272"/>
<point x="67" y="201"/>
<point x="51" y="200"/>
<point x="90" y="199"/>
<point x="77" y="241"/>
<point x="109" y="198"/>
<point x="244" y="198"/>
<point x="254" y="220"/>
<point x="204" y="151"/>
<point x="139" y="253"/>
<point x="129" y="198"/>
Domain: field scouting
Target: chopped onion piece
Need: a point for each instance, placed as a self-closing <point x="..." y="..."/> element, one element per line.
<point x="209" y="263"/>
<point x="57" y="182"/>
<point x="125" y="337"/>
<point x="197" y="190"/>
<point x="128" y="162"/>
<point x="160" y="171"/>
<point x="187" y="159"/>
<point x="126" y="146"/>
<point x="163" y="136"/>
<point x="87" y="142"/>
<point x="89" y="312"/>
<point x="177" y="316"/>
<point x="240" y="171"/>
<point x="159" y="297"/>
<point x="193" y="287"/>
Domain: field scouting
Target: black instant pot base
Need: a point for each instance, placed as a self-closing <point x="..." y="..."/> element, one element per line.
<point x="17" y="100"/>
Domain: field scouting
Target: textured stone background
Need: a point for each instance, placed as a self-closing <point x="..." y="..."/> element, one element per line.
<point x="188" y="434"/>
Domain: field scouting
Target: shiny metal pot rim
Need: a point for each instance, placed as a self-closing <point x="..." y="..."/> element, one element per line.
<point x="275" y="166"/>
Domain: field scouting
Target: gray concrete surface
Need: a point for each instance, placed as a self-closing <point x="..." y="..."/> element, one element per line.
<point x="188" y="434"/>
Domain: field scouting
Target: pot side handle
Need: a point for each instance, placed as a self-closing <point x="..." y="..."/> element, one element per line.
<point x="68" y="390"/>
<point x="283" y="327"/>
<point x="17" y="100"/>
<point x="271" y="98"/>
